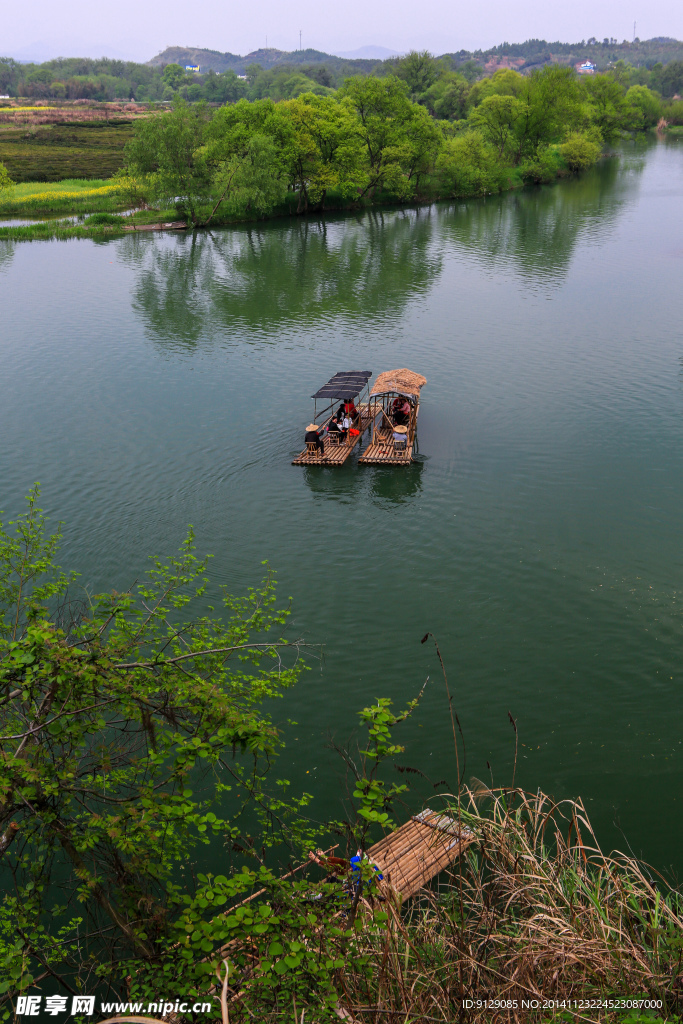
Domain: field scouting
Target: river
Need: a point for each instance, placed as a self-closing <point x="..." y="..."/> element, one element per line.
<point x="154" y="381"/>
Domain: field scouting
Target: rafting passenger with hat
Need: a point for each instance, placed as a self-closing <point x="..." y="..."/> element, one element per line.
<point x="313" y="435"/>
<point x="400" y="436"/>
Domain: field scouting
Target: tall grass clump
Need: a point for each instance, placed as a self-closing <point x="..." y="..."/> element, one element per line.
<point x="534" y="912"/>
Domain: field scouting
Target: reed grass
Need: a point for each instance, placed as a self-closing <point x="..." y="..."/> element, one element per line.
<point x="533" y="911"/>
<point x="533" y="924"/>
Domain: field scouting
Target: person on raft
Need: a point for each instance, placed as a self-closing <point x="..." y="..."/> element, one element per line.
<point x="333" y="427"/>
<point x="313" y="435"/>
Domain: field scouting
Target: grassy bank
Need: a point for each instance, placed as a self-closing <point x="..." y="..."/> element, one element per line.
<point x="70" y="197"/>
<point x="100" y="199"/>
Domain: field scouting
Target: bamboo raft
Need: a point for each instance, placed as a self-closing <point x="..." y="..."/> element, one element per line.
<point x="336" y="453"/>
<point x="345" y="386"/>
<point x="419" y="850"/>
<point x="390" y="387"/>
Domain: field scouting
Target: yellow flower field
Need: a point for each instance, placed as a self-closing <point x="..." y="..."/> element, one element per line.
<point x="53" y="195"/>
<point x="69" y="196"/>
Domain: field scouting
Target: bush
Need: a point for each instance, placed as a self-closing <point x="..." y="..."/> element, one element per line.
<point x="467" y="166"/>
<point x="579" y="151"/>
<point x="542" y="168"/>
<point x="674" y="112"/>
<point x="103" y="218"/>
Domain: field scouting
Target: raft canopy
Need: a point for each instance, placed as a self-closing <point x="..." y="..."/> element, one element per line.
<point x="344" y="385"/>
<point x="402" y="382"/>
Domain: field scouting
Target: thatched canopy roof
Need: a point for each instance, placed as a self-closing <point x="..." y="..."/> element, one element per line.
<point x="404" y="382"/>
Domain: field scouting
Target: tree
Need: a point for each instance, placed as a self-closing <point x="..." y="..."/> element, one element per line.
<point x="419" y="69"/>
<point x="323" y="150"/>
<point x="672" y="78"/>
<point x="129" y="735"/>
<point x="502" y="83"/>
<point x="446" y="99"/>
<point x="173" y="76"/>
<point x="167" y="150"/>
<point x="606" y="104"/>
<point x="382" y="109"/>
<point x="468" y="166"/>
<point x="497" y="118"/>
<point x="243" y="139"/>
<point x="580" y="151"/>
<point x="646" y="107"/>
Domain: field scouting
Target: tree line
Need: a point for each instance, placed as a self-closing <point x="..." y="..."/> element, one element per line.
<point x="109" y="80"/>
<point x="415" y="135"/>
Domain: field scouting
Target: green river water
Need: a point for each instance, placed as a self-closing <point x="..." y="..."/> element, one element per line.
<point x="153" y="381"/>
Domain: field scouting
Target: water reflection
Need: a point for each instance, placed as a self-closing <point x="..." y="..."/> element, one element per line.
<point x="350" y="484"/>
<point x="394" y="485"/>
<point x="535" y="231"/>
<point x="266" y="282"/>
<point x="281" y="275"/>
<point x="6" y="253"/>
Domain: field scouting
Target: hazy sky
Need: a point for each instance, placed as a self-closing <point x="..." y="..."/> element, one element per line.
<point x="139" y="30"/>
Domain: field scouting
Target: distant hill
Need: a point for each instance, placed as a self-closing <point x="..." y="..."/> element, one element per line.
<point x="214" y="60"/>
<point x="525" y="56"/>
<point x="368" y="53"/>
<point x="536" y="52"/>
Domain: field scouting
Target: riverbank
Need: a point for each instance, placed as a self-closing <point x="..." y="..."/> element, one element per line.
<point x="100" y="204"/>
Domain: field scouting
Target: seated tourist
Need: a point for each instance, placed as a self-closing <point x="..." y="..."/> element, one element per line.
<point x="333" y="427"/>
<point x="313" y="435"/>
<point x="401" y="411"/>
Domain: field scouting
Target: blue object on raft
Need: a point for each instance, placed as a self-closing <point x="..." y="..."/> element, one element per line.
<point x="355" y="867"/>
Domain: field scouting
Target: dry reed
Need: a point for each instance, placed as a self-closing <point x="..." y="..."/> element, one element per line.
<point x="534" y="912"/>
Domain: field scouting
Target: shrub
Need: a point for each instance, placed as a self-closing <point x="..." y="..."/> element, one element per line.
<point x="467" y="166"/>
<point x="579" y="151"/>
<point x="103" y="218"/>
<point x="542" y="168"/>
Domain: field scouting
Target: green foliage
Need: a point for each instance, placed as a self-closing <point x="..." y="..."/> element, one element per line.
<point x="606" y="105"/>
<point x="446" y="99"/>
<point x="130" y="736"/>
<point x="166" y="152"/>
<point x="376" y="798"/>
<point x="580" y="151"/>
<point x="419" y="69"/>
<point x="6" y="183"/>
<point x="468" y="165"/>
<point x="543" y="167"/>
<point x="96" y="219"/>
<point x="173" y="76"/>
<point x="646" y="107"/>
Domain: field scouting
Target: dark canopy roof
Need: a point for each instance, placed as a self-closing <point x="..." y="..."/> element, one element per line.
<point x="344" y="385"/>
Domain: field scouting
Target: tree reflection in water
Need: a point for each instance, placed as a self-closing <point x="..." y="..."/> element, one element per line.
<point x="6" y="253"/>
<point x="272" y="280"/>
<point x="535" y="231"/>
<point x="268" y="282"/>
